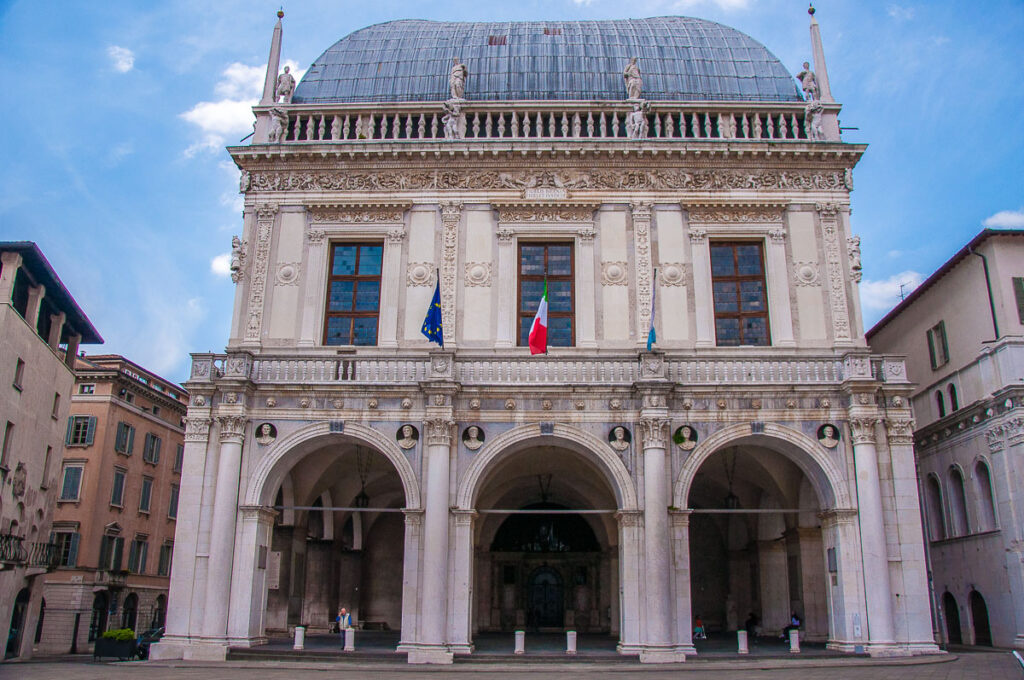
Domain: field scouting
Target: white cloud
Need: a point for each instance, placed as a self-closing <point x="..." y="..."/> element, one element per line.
<point x="726" y="5"/>
<point x="900" y="13"/>
<point x="123" y="58"/>
<point x="221" y="265"/>
<point x="583" y="2"/>
<point x="239" y="89"/>
<point x="884" y="294"/>
<point x="1006" y="219"/>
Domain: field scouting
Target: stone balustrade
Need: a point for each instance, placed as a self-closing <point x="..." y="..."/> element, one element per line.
<point x="545" y="120"/>
<point x="622" y="370"/>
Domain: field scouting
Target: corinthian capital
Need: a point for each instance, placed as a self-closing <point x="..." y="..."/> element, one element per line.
<point x="863" y="429"/>
<point x="900" y="430"/>
<point x="197" y="429"/>
<point x="655" y="432"/>
<point x="439" y="431"/>
<point x="231" y="428"/>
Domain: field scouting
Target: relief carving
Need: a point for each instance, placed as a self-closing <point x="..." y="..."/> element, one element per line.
<point x="655" y="432"/>
<point x="806" y="273"/>
<point x="723" y="214"/>
<point x="863" y="429"/>
<point x="673" y="273"/>
<point x="834" y="270"/>
<point x="288" y="273"/>
<point x="359" y="214"/>
<point x="531" y="213"/>
<point x="900" y="430"/>
<point x="613" y="273"/>
<point x="420" y="274"/>
<point x="478" y="273"/>
<point x="451" y="214"/>
<point x="264" y="226"/>
<point x="197" y="429"/>
<point x="231" y="428"/>
<point x="642" y="244"/>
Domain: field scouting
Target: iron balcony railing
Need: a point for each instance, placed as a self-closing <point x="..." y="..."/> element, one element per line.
<point x="15" y="551"/>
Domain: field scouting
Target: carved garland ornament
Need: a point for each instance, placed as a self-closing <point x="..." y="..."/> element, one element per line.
<point x="264" y="226"/>
<point x="360" y="214"/>
<point x="644" y="280"/>
<point x="448" y="179"/>
<point x="829" y="213"/>
<point x="735" y="215"/>
<point x="529" y="213"/>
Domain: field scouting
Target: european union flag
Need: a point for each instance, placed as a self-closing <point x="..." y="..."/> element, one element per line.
<point x="433" y="327"/>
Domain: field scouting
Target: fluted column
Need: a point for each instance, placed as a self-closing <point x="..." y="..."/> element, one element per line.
<point x="506" y="282"/>
<point x="461" y="595"/>
<point x="683" y="606"/>
<point x="657" y="644"/>
<point x="872" y="533"/>
<point x="389" y="288"/>
<point x="432" y="645"/>
<point x="222" y="531"/>
<point x="700" y="253"/>
<point x="410" y="577"/>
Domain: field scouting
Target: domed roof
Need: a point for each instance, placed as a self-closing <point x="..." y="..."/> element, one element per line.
<point x="680" y="58"/>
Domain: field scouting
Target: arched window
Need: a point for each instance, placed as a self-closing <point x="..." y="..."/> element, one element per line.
<point x="986" y="498"/>
<point x="933" y="509"/>
<point x="957" y="502"/>
<point x="940" y="403"/>
<point x="954" y="403"/>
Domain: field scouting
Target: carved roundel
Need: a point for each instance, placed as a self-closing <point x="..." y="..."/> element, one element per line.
<point x="478" y="273"/>
<point x="828" y="436"/>
<point x="807" y="273"/>
<point x="672" y="274"/>
<point x="613" y="273"/>
<point x="619" y="437"/>
<point x="266" y="433"/>
<point x="473" y="437"/>
<point x="407" y="436"/>
<point x="685" y="437"/>
<point x="420" y="274"/>
<point x="288" y="273"/>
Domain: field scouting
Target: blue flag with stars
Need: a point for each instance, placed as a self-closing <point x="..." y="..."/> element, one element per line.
<point x="433" y="328"/>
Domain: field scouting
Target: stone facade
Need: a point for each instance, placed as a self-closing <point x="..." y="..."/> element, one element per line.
<point x="119" y="531"/>
<point x="41" y="327"/>
<point x="969" y="410"/>
<point x="600" y="487"/>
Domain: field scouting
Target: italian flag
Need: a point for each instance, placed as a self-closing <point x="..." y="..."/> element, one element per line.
<point x="539" y="329"/>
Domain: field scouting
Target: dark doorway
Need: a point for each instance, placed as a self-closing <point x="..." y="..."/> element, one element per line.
<point x="130" y="611"/>
<point x="546" y="599"/>
<point x="979" y="619"/>
<point x="952" y="614"/>
<point x="159" y="612"/>
<point x="98" y="622"/>
<point x="17" y="623"/>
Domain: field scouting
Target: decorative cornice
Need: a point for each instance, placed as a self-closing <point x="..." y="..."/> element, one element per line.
<point x="543" y="213"/>
<point x="441" y="179"/>
<point x="387" y="213"/>
<point x="231" y="428"/>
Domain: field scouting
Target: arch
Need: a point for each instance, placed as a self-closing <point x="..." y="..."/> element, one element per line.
<point x="825" y="476"/>
<point x="940" y="403"/>
<point x="569" y="437"/>
<point x="954" y="403"/>
<point x="979" y="619"/>
<point x="959" y="521"/>
<point x="986" y="495"/>
<point x="266" y="477"/>
<point x="933" y="507"/>
<point x="951" y="611"/>
<point x="130" y="611"/>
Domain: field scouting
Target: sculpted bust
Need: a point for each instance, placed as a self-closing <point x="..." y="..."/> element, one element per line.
<point x="619" y="442"/>
<point x="407" y="436"/>
<point x="473" y="438"/>
<point x="685" y="438"/>
<point x="828" y="436"/>
<point x="265" y="434"/>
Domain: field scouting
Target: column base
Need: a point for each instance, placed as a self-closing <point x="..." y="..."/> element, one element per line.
<point x="168" y="649"/>
<point x="430" y="654"/>
<point x="206" y="651"/>
<point x="845" y="646"/>
<point x="923" y="647"/>
<point x="667" y="654"/>
<point x="886" y="650"/>
<point x="1018" y="641"/>
<point x="462" y="648"/>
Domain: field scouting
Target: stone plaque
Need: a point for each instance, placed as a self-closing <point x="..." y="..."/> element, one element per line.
<point x="545" y="193"/>
<point x="274" y="570"/>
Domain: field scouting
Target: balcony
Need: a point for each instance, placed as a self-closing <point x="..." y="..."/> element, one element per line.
<point x="16" y="552"/>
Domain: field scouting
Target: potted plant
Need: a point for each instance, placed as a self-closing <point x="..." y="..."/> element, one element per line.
<point x="119" y="643"/>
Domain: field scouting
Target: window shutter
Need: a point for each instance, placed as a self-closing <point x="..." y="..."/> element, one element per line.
<point x="1018" y="293"/>
<point x="90" y="431"/>
<point x="143" y="554"/>
<point x="931" y="348"/>
<point x="945" y="344"/>
<point x="131" y="440"/>
<point x="73" y="551"/>
<point x="156" y="451"/>
<point x="118" y="552"/>
<point x="71" y="428"/>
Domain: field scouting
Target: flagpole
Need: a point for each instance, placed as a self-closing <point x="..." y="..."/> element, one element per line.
<point x="546" y="344"/>
<point x="437" y="272"/>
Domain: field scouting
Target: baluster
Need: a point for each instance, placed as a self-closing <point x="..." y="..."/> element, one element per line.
<point x="540" y="125"/>
<point x="604" y="128"/>
<point x="667" y="126"/>
<point x="795" y="127"/>
<point x="360" y="132"/>
<point x="746" y="127"/>
<point x="335" y="127"/>
<point x="783" y="132"/>
<point x="515" y="124"/>
<point x="396" y="126"/>
<point x="657" y="126"/>
<point x="408" y="126"/>
<point x="694" y="132"/>
<point x="590" y="123"/>
<point x="551" y="124"/>
<point x="719" y="128"/>
<point x="345" y="127"/>
<point x="565" y="125"/>
<point x="501" y="124"/>
<point x="421" y="125"/>
<point x="526" y="125"/>
<point x="322" y="127"/>
<point x="433" y="126"/>
<point x="383" y="126"/>
<point x="707" y="124"/>
<point x="771" y="125"/>
<point x="577" y="125"/>
<point x="487" y="126"/>
<point x="757" y="126"/>
<point x="476" y="125"/>
<point x="615" y="123"/>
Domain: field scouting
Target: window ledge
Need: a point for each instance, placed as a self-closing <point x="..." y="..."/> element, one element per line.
<point x="967" y="537"/>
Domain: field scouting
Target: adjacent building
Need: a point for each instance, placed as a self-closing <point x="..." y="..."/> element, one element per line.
<point x="41" y="328"/>
<point x="962" y="331"/>
<point x="115" y="515"/>
<point x="749" y="455"/>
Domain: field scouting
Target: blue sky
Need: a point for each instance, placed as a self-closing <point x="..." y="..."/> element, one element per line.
<point x="117" y="113"/>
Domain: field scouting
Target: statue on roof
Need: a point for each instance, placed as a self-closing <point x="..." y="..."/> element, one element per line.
<point x="454" y="120"/>
<point x="457" y="79"/>
<point x="812" y="121"/>
<point x="631" y="74"/>
<point x="278" y="125"/>
<point x="285" y="86"/>
<point x="636" y="122"/>
<point x="809" y="82"/>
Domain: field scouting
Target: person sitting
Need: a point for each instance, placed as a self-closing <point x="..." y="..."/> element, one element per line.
<point x="699" y="632"/>
<point x="752" y="625"/>
<point x="794" y="624"/>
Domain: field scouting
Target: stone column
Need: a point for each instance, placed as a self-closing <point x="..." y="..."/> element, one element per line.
<point x="780" y="313"/>
<point x="411" y="578"/>
<point x="629" y="576"/>
<point x="657" y="644"/>
<point x="35" y="299"/>
<point x="680" y="527"/>
<point x="246" y="624"/>
<point x="431" y="646"/>
<point x="222" y="531"/>
<point x="316" y="275"/>
<point x="390" y="284"/>
<point x="586" y="289"/>
<point x="874" y="553"/>
<point x="461" y="584"/>
<point x="845" y="584"/>
<point x="773" y="571"/>
<point x="506" y="283"/>
<point x="704" y="302"/>
<point x="813" y="583"/>
<point x="56" y="329"/>
<point x="11" y="262"/>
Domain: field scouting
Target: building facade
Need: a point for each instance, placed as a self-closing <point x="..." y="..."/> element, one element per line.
<point x="962" y="331"/>
<point x="115" y="515"/>
<point x="41" y="327"/>
<point x="755" y="458"/>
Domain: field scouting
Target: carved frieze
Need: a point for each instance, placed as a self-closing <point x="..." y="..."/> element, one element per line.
<point x="369" y="180"/>
<point x="829" y="213"/>
<point x="725" y="214"/>
<point x="359" y="214"/>
<point x="544" y="213"/>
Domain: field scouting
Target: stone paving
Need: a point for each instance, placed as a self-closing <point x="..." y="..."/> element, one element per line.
<point x="961" y="665"/>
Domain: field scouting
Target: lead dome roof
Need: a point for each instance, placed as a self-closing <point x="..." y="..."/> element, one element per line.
<point x="680" y="58"/>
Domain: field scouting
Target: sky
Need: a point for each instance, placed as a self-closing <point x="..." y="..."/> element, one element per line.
<point x="118" y="114"/>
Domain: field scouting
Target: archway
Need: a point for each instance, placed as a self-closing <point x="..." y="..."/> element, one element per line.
<point x="19" y="614"/>
<point x="545" y="543"/>
<point x="758" y="551"/>
<point x="952" y="615"/>
<point x="338" y="540"/>
<point x="979" y="619"/>
<point x="130" y="611"/>
<point x="98" y="618"/>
